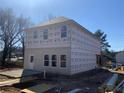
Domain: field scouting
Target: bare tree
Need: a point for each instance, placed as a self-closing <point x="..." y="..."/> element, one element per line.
<point x="10" y="31"/>
<point x="23" y="24"/>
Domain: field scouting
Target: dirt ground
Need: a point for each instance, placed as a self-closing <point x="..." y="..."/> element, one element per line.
<point x="88" y="82"/>
<point x="9" y="89"/>
<point x="11" y="66"/>
<point x="3" y="78"/>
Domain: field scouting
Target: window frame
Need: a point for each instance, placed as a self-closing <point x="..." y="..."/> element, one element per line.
<point x="54" y="61"/>
<point x="45" y="34"/>
<point x="46" y="61"/>
<point x="64" y="31"/>
<point x="35" y="34"/>
<point x="31" y="59"/>
<point x="63" y="61"/>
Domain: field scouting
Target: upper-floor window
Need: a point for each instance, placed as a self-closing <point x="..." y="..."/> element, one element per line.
<point x="45" y="34"/>
<point x="35" y="34"/>
<point x="63" y="31"/>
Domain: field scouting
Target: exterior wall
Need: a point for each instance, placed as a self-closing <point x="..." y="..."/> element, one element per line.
<point x="54" y="45"/>
<point x="54" y="37"/>
<point x="120" y="57"/>
<point x="84" y="48"/>
<point x="39" y="60"/>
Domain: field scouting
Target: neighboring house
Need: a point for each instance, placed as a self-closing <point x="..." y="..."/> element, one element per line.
<point x="16" y="56"/>
<point x="120" y="57"/>
<point x="14" y="59"/>
<point x="60" y="46"/>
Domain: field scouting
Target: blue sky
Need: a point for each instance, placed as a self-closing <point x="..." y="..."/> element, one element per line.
<point x="107" y="15"/>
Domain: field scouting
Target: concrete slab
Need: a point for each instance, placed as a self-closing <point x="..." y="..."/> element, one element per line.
<point x="20" y="73"/>
<point x="40" y="88"/>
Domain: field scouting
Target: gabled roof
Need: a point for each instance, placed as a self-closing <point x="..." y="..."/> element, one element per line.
<point x="120" y="52"/>
<point x="54" y="21"/>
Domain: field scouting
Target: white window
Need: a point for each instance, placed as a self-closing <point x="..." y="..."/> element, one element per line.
<point x="63" y="60"/>
<point x="54" y="60"/>
<point x="31" y="59"/>
<point x="35" y="34"/>
<point x="45" y="34"/>
<point x="46" y="60"/>
<point x="63" y="31"/>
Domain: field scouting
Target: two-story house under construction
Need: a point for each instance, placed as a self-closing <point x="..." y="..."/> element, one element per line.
<point x="62" y="46"/>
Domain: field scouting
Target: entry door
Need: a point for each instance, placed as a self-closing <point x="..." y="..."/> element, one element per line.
<point x="98" y="60"/>
<point x="31" y="63"/>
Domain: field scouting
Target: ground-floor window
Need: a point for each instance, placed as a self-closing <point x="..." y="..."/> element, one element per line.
<point x="31" y="59"/>
<point x="63" y="60"/>
<point x="54" y="60"/>
<point x="46" y="60"/>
